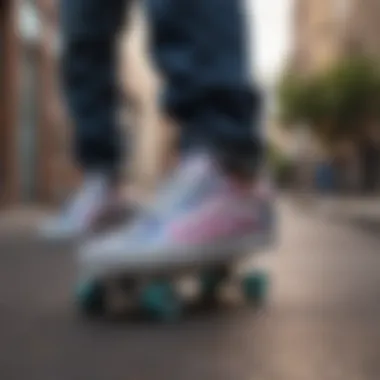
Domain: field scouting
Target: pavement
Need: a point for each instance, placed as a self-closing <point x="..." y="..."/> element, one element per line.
<point x="21" y="220"/>
<point x="321" y="321"/>
<point x="362" y="212"/>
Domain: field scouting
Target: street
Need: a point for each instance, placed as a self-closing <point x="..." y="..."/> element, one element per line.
<point x="321" y="321"/>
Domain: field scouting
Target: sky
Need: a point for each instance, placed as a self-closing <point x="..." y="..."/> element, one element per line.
<point x="270" y="29"/>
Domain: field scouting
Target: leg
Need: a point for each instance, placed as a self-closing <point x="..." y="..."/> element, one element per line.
<point x="200" y="48"/>
<point x="90" y="29"/>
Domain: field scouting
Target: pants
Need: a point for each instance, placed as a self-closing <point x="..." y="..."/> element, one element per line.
<point x="198" y="47"/>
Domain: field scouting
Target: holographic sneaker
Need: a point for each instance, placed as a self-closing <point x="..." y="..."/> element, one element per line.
<point x="200" y="215"/>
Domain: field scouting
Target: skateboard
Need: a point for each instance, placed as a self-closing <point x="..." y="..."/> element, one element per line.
<point x="165" y="296"/>
<point x="155" y="289"/>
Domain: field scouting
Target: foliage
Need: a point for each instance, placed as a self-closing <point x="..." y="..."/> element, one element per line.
<point x="336" y="103"/>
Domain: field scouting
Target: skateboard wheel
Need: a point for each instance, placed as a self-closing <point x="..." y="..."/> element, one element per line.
<point x="160" y="302"/>
<point x="210" y="282"/>
<point x="255" y="287"/>
<point x="90" y="296"/>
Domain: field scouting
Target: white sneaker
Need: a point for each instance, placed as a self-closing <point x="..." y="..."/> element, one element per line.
<point x="82" y="210"/>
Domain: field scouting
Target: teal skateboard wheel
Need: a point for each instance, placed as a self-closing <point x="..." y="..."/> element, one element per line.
<point x="90" y="296"/>
<point x="255" y="287"/>
<point x="160" y="302"/>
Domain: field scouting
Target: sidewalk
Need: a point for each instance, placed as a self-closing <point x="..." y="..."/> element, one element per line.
<point x="23" y="219"/>
<point x="359" y="211"/>
<point x="368" y="207"/>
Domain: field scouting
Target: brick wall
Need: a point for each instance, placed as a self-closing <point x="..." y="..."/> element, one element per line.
<point x="324" y="30"/>
<point x="9" y="181"/>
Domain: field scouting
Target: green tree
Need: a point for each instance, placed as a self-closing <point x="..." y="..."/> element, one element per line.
<point x="337" y="103"/>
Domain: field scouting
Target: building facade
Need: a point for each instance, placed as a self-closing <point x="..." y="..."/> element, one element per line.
<point x="33" y="158"/>
<point x="324" y="30"/>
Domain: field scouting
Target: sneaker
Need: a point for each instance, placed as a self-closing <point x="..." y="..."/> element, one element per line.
<point x="83" y="211"/>
<point x="200" y="215"/>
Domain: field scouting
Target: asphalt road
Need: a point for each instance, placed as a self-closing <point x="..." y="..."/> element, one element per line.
<point x="321" y="322"/>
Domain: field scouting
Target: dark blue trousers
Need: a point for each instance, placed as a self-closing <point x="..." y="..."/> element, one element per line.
<point x="199" y="46"/>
